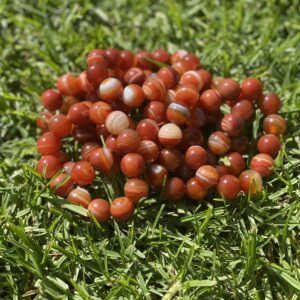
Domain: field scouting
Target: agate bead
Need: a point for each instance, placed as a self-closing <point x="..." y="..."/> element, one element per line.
<point x="147" y="129"/>
<point x="274" y="124"/>
<point x="135" y="189"/>
<point x="110" y="89"/>
<point x="134" y="75"/>
<point x="170" y="135"/>
<point x="83" y="173"/>
<point x="251" y="89"/>
<point x="228" y="187"/>
<point x="174" y="189"/>
<point x="251" y="182"/>
<point x="69" y="85"/>
<point x="87" y="149"/>
<point x="99" y="112"/>
<point x="149" y="150"/>
<point x="177" y="113"/>
<point x="232" y="124"/>
<point x="78" y="114"/>
<point x="96" y="73"/>
<point x="243" y="109"/>
<point x="236" y="163"/>
<point x="48" y="144"/>
<point x="168" y="76"/>
<point x="60" y="126"/>
<point x="269" y="104"/>
<point x="80" y="196"/>
<point x="210" y="101"/>
<point x="170" y="158"/>
<point x="263" y="164"/>
<point x="155" y="175"/>
<point x="52" y="99"/>
<point x="269" y="144"/>
<point x="156" y="111"/>
<point x="132" y="164"/>
<point x="102" y="160"/>
<point x="195" y="190"/>
<point x="192" y="79"/>
<point x="207" y="176"/>
<point x="154" y="89"/>
<point x="128" y="141"/>
<point x="133" y="95"/>
<point x="116" y="121"/>
<point x="186" y="96"/>
<point x="195" y="156"/>
<point x="62" y="185"/>
<point x="218" y="143"/>
<point x="229" y="89"/>
<point x="48" y="165"/>
<point x="121" y="208"/>
<point x="100" y="209"/>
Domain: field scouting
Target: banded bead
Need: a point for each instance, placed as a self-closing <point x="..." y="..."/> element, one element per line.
<point x="177" y="113"/>
<point x="207" y="176"/>
<point x="219" y="143"/>
<point x="116" y="121"/>
<point x="263" y="164"/>
<point x="170" y="135"/>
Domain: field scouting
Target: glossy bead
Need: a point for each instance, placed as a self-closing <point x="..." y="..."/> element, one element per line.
<point x="222" y="170"/>
<point x="96" y="56"/>
<point x="193" y="60"/>
<point x="101" y="131"/>
<point x="155" y="175"/>
<point x="228" y="187"/>
<point x="243" y="109"/>
<point x="186" y="96"/>
<point x="174" y="189"/>
<point x="67" y="103"/>
<point x="86" y="87"/>
<point x="191" y="137"/>
<point x="274" y="124"/>
<point x="132" y="164"/>
<point x="99" y="112"/>
<point x="237" y="163"/>
<point x="110" y="89"/>
<point x="263" y="164"/>
<point x="48" y="144"/>
<point x="52" y="99"/>
<point x="178" y="55"/>
<point x="83" y="173"/>
<point x="96" y="73"/>
<point x="181" y="67"/>
<point x="251" y="182"/>
<point x="126" y="60"/>
<point x="195" y="190"/>
<point x="42" y="121"/>
<point x="116" y="121"/>
<point x="269" y="144"/>
<point x="169" y="97"/>
<point x="168" y="76"/>
<point x="161" y="56"/>
<point x="100" y="209"/>
<point x="192" y="79"/>
<point x="156" y="111"/>
<point x="121" y="208"/>
<point x="251" y="88"/>
<point x="69" y="85"/>
<point x="142" y="60"/>
<point x="229" y="89"/>
<point x="149" y="150"/>
<point x="80" y="196"/>
<point x="218" y="143"/>
<point x="240" y="144"/>
<point x="84" y="134"/>
<point x="170" y="135"/>
<point x="207" y="176"/>
<point x="136" y="189"/>
<point x="232" y="124"/>
<point x="79" y="114"/>
<point x="171" y="159"/>
<point x="128" y="141"/>
<point x="206" y="78"/>
<point x="68" y="167"/>
<point x="60" y="126"/>
<point x="154" y="89"/>
<point x="177" y="113"/>
<point x="195" y="156"/>
<point x="269" y="104"/>
<point x="111" y="143"/>
<point x="62" y="185"/>
<point x="147" y="129"/>
<point x="210" y="101"/>
<point x="134" y="75"/>
<point x="197" y="117"/>
<point x="133" y="95"/>
<point x="48" y="165"/>
<point x="87" y="149"/>
<point x="112" y="56"/>
<point x="102" y="160"/>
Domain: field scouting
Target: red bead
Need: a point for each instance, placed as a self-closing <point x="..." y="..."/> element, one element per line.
<point x="100" y="209"/>
<point x="48" y="144"/>
<point x="102" y="159"/>
<point x="121" y="208"/>
<point x="132" y="164"/>
<point x="251" y="182"/>
<point x="99" y="112"/>
<point x="240" y="144"/>
<point x="182" y="66"/>
<point x="84" y="134"/>
<point x="269" y="144"/>
<point x="262" y="163"/>
<point x="174" y="189"/>
<point x="68" y="167"/>
<point x="269" y="104"/>
<point x="83" y="173"/>
<point x="187" y="96"/>
<point x="110" y="89"/>
<point x="156" y="111"/>
<point x="111" y="143"/>
<point x="128" y="141"/>
<point x="43" y="119"/>
<point x="229" y="89"/>
<point x="142" y="60"/>
<point x="237" y="163"/>
<point x="195" y="190"/>
<point x="155" y="175"/>
<point x="80" y="196"/>
<point x="154" y="89"/>
<point x="193" y="60"/>
<point x="177" y="113"/>
<point x="228" y="187"/>
<point x="96" y="73"/>
<point x="170" y="158"/>
<point x="274" y="124"/>
<point x="134" y="75"/>
<point x="192" y="79"/>
<point x="69" y="85"/>
<point x="60" y="126"/>
<point x="79" y="114"/>
<point x="191" y="137"/>
<point x="101" y="131"/>
<point x="136" y="189"/>
<point x="87" y="149"/>
<point x="243" y="109"/>
<point x="86" y="87"/>
<point x="218" y="143"/>
<point x="168" y="76"/>
<point x="149" y="150"/>
<point x="206" y="78"/>
<point x="251" y="89"/>
<point x="67" y="103"/>
<point x="210" y="101"/>
<point x="48" y="165"/>
<point x="147" y="129"/>
<point x="222" y="170"/>
<point x="232" y="124"/>
<point x="62" y="156"/>
<point x="207" y="176"/>
<point x="195" y="157"/>
<point x="112" y="56"/>
<point x="169" y="97"/>
<point x="170" y="135"/>
<point x="97" y="56"/>
<point x="116" y="122"/>
<point x="161" y="56"/>
<point x="52" y="99"/>
<point x="197" y="117"/>
<point x="133" y="95"/>
<point x="126" y="60"/>
<point x="178" y="55"/>
<point x="62" y="185"/>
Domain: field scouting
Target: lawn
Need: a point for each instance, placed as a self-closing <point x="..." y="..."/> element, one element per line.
<point x="213" y="250"/>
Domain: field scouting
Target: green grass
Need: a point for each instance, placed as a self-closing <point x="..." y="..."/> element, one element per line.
<point x="247" y="250"/>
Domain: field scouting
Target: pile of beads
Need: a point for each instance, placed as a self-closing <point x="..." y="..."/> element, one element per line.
<point x="157" y="119"/>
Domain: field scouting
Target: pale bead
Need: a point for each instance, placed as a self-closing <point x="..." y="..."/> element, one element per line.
<point x="116" y="121"/>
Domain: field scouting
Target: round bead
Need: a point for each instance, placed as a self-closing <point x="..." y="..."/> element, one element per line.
<point x="210" y="101"/>
<point x="251" y="88"/>
<point x="68" y="167"/>
<point x="136" y="189"/>
<point x="269" y="144"/>
<point x="161" y="56"/>
<point x="84" y="134"/>
<point x="269" y="104"/>
<point x="142" y="60"/>
<point x="126" y="59"/>
<point x="168" y="76"/>
<point x="154" y="89"/>
<point x="132" y="164"/>
<point x="83" y="173"/>
<point x="207" y="176"/>
<point x="155" y="175"/>
<point x="112" y="56"/>
<point x="100" y="209"/>
<point x="156" y="111"/>
<point x="87" y="149"/>
<point x="195" y="157"/>
<point x="42" y="121"/>
<point x="174" y="189"/>
<point x="133" y="95"/>
<point x="111" y="143"/>
<point x="79" y="114"/>
<point x="232" y="124"/>
<point x="147" y="129"/>
<point x="121" y="208"/>
<point x="186" y="96"/>
<point x="128" y="141"/>
<point x="60" y="126"/>
<point x="177" y="113"/>
<point x="251" y="182"/>
<point x="206" y="78"/>
<point x="243" y="109"/>
<point x="195" y="190"/>
<point x="96" y="73"/>
<point x="274" y="124"/>
<point x="228" y="187"/>
<point x="69" y="85"/>
<point x="86" y="87"/>
<point x="80" y="196"/>
<point x="116" y="121"/>
<point x="237" y="163"/>
<point x="96" y="56"/>
<point x="262" y="163"/>
<point x="193" y="60"/>
<point x="52" y="99"/>
<point x="102" y="160"/>
<point x="99" y="112"/>
<point x="178" y="55"/>
<point x="48" y="165"/>
<point x="182" y="66"/>
<point x="170" y="158"/>
<point x="62" y="185"/>
<point x="170" y="97"/>
<point x="134" y="75"/>
<point x="149" y="150"/>
<point x="229" y="89"/>
<point x="67" y="103"/>
<point x="192" y="79"/>
<point x="110" y="89"/>
<point x="170" y="135"/>
<point x="240" y="144"/>
<point x="218" y="143"/>
<point x="48" y="144"/>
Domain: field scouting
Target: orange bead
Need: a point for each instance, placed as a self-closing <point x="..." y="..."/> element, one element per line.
<point x="121" y="208"/>
<point x="68" y="167"/>
<point x="251" y="182"/>
<point x="177" y="113"/>
<point x="132" y="164"/>
<point x="269" y="144"/>
<point x="274" y="124"/>
<point x="48" y="144"/>
<point x="168" y="76"/>
<point x="48" y="165"/>
<point x="100" y="209"/>
<point x="83" y="173"/>
<point x="128" y="141"/>
<point x="116" y="121"/>
<point x="251" y="88"/>
<point x="243" y="109"/>
<point x="69" y="85"/>
<point x="154" y="89"/>
<point x="192" y="79"/>
<point x="52" y="99"/>
<point x="102" y="160"/>
<point x="170" y="135"/>
<point x="171" y="159"/>
<point x="206" y="78"/>
<point x="110" y="89"/>
<point x="99" y="112"/>
<point x="149" y="150"/>
<point x="80" y="196"/>
<point x="62" y="185"/>
<point x="87" y="149"/>
<point x="174" y="189"/>
<point x="232" y="124"/>
<point x="219" y="143"/>
<point x="182" y="66"/>
<point x="134" y="75"/>
<point x="135" y="189"/>
<point x="156" y="111"/>
<point x="229" y="89"/>
<point x="147" y="129"/>
<point x="178" y="55"/>
<point x="78" y="114"/>
<point x="269" y="104"/>
<point x="133" y="95"/>
<point x="263" y="164"/>
<point x="210" y="100"/>
<point x="67" y="103"/>
<point x="187" y="96"/>
<point x="229" y="187"/>
<point x="207" y="176"/>
<point x="195" y="157"/>
<point x="195" y="190"/>
<point x="60" y="126"/>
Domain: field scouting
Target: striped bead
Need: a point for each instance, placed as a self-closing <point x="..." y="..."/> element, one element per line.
<point x="154" y="89"/>
<point x="186" y="96"/>
<point x="219" y="143"/>
<point x="99" y="112"/>
<point x="128" y="141"/>
<point x="110" y="89"/>
<point x="251" y="182"/>
<point x="207" y="176"/>
<point x="177" y="113"/>
<point x="168" y="76"/>
<point x="178" y="55"/>
<point x="135" y="189"/>
<point x="80" y="196"/>
<point x="116" y="121"/>
<point x="232" y="124"/>
<point x="262" y="163"/>
<point x="69" y="85"/>
<point x="170" y="135"/>
<point x="192" y="79"/>
<point x="133" y="95"/>
<point x="102" y="160"/>
<point x="274" y="124"/>
<point x="134" y="75"/>
<point x="149" y="150"/>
